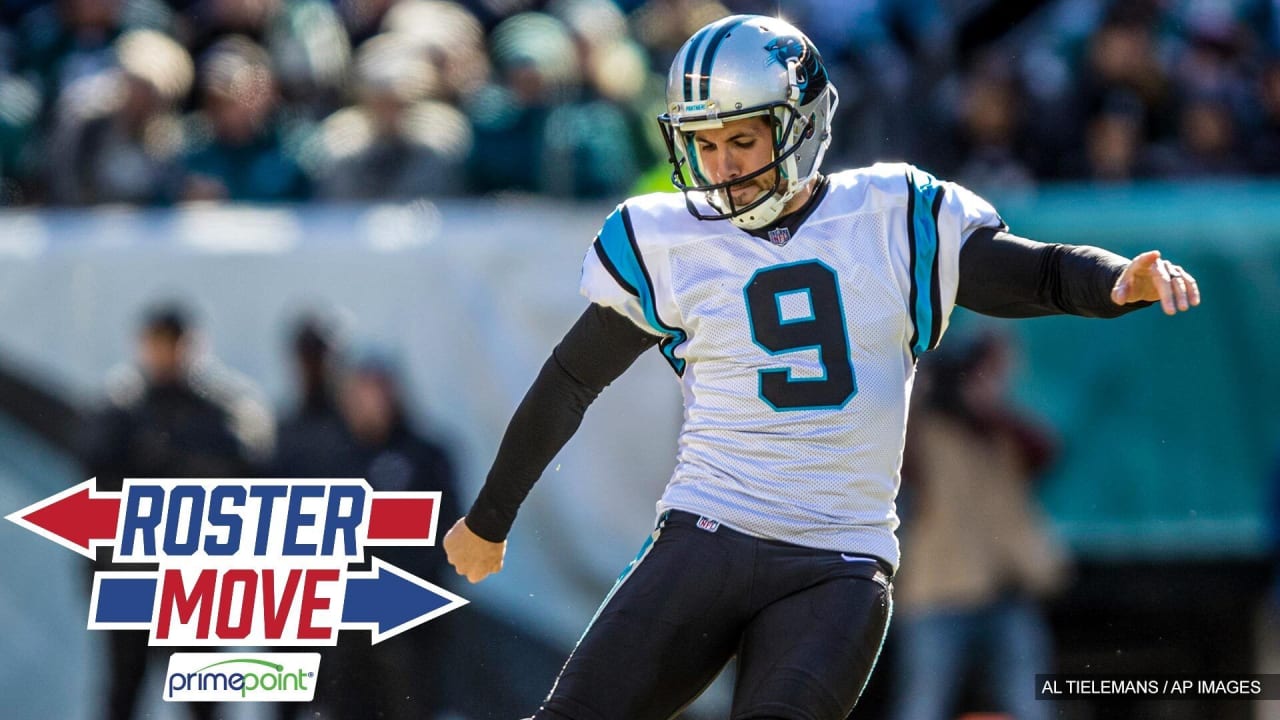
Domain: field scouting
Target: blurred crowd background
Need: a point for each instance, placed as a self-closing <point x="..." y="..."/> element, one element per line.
<point x="152" y="102"/>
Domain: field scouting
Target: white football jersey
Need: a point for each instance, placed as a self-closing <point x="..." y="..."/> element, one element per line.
<point x="796" y="359"/>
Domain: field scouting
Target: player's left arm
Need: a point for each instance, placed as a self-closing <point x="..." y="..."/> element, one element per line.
<point x="1004" y="275"/>
<point x="600" y="346"/>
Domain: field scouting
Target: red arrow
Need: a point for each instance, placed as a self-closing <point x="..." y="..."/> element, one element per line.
<point x="78" y="518"/>
<point x="403" y="518"/>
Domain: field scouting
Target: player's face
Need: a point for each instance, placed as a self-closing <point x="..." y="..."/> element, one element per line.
<point x="738" y="149"/>
<point x="162" y="356"/>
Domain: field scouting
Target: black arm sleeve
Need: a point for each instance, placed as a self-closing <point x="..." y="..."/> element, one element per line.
<point x="599" y="347"/>
<point x="1009" y="276"/>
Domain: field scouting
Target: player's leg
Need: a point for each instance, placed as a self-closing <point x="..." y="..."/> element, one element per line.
<point x="662" y="635"/>
<point x="809" y="655"/>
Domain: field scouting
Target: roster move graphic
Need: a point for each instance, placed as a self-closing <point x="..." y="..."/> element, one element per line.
<point x="248" y="561"/>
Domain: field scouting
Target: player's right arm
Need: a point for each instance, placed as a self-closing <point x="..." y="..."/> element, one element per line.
<point x="599" y="347"/>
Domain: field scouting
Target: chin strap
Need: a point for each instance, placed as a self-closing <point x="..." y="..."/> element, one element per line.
<point x="770" y="210"/>
<point x="765" y="213"/>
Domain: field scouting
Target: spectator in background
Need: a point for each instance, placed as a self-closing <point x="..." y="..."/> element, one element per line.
<point x="211" y="21"/>
<point x="363" y="18"/>
<point x="992" y="132"/>
<point x="1264" y="148"/>
<point x="1213" y="93"/>
<point x="1272" y="484"/>
<point x="1122" y="70"/>
<point x="63" y="41"/>
<point x="1207" y="145"/>
<point x="537" y="132"/>
<point x="238" y="150"/>
<point x="619" y="95"/>
<point x="397" y="143"/>
<point x="53" y="45"/>
<point x="663" y="26"/>
<point x="1210" y="61"/>
<point x="982" y="557"/>
<point x="311" y="54"/>
<point x="311" y="440"/>
<point x="1114" y="151"/>
<point x="886" y="56"/>
<point x="403" y="677"/>
<point x="536" y="68"/>
<point x="1184" y="71"/>
<point x="171" y="417"/>
<point x="19" y="126"/>
<point x="118" y="137"/>
<point x="450" y="38"/>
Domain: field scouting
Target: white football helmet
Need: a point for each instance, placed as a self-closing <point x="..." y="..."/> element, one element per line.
<point x="739" y="67"/>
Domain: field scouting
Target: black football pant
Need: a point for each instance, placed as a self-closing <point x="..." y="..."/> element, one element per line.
<point x="807" y="626"/>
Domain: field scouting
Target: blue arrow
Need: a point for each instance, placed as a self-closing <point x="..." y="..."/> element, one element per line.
<point x="125" y="599"/>
<point x="389" y="601"/>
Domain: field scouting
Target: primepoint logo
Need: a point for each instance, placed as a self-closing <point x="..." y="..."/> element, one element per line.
<point x="249" y="677"/>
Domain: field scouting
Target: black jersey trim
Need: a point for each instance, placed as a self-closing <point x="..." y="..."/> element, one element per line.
<point x="911" y="253"/>
<point x="935" y="291"/>
<point x="612" y="269"/>
<point x="675" y="335"/>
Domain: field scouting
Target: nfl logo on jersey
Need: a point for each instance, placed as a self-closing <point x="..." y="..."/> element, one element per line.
<point x="780" y="236"/>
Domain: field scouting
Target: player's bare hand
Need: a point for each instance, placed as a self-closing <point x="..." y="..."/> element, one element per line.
<point x="1149" y="277"/>
<point x="471" y="555"/>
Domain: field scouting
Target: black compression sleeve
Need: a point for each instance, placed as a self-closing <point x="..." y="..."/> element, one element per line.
<point x="599" y="347"/>
<point x="1009" y="276"/>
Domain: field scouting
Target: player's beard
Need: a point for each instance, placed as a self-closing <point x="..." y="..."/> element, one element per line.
<point x="746" y="193"/>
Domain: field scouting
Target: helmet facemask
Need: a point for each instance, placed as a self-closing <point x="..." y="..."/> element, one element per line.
<point x="688" y="177"/>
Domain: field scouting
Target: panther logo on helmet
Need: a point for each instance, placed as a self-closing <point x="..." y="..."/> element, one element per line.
<point x="782" y="49"/>
<point x="811" y="75"/>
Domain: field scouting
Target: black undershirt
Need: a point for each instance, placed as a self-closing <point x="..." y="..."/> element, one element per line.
<point x="1000" y="274"/>
<point x="1004" y="275"/>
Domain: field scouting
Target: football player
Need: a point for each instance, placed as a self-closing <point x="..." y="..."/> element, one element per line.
<point x="791" y="306"/>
